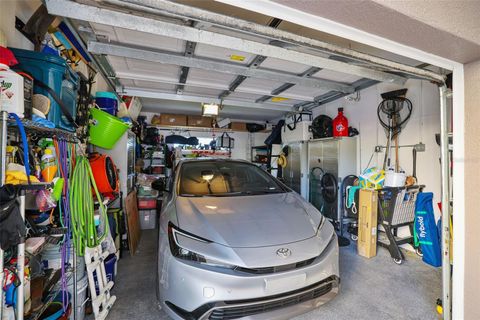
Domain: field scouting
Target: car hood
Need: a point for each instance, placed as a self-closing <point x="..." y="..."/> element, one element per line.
<point x="248" y="221"/>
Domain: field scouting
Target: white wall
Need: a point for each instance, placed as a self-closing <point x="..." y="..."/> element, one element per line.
<point x="22" y="9"/>
<point x="422" y="127"/>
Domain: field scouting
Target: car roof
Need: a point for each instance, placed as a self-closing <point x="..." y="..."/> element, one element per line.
<point x="204" y="159"/>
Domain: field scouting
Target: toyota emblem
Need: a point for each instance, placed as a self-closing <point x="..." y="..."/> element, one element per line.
<point x="284" y="252"/>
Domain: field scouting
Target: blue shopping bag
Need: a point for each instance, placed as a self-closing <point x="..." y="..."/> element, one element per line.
<point x="426" y="230"/>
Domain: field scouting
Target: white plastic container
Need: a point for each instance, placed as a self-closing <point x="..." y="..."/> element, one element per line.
<point x="52" y="259"/>
<point x="301" y="132"/>
<point x="82" y="287"/>
<point x="148" y="219"/>
<point x="11" y="90"/>
<point x="394" y="179"/>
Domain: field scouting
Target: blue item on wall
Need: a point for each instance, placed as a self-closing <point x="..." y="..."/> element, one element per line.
<point x="107" y="101"/>
<point x="426" y="230"/>
<point x="109" y="263"/>
<point x="73" y="40"/>
<point x="10" y="295"/>
<point x="56" y="74"/>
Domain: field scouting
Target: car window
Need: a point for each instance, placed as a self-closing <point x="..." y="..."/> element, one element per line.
<point x="225" y="178"/>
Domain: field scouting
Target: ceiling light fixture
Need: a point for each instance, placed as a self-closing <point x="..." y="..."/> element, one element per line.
<point x="210" y="109"/>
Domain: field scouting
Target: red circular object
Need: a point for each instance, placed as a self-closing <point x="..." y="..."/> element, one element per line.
<point x="340" y="125"/>
<point x="104" y="172"/>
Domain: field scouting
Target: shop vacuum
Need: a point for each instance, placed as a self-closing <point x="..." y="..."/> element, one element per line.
<point x="105" y="173"/>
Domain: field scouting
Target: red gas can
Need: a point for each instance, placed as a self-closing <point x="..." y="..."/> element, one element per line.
<point x="340" y="125"/>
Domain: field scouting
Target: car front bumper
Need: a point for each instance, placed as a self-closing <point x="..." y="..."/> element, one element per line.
<point x="192" y="292"/>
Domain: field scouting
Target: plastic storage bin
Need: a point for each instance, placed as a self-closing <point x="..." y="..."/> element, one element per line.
<point x="54" y="72"/>
<point x="148" y="219"/>
<point x="147" y="202"/>
<point x="107" y="101"/>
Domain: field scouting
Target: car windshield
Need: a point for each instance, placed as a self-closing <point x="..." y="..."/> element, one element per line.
<point x="225" y="178"/>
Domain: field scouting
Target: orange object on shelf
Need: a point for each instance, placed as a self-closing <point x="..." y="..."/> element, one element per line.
<point x="49" y="166"/>
<point x="104" y="172"/>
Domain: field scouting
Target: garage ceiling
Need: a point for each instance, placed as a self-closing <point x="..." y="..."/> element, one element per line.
<point x="147" y="52"/>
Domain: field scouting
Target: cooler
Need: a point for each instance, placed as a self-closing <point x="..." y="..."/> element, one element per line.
<point x="54" y="72"/>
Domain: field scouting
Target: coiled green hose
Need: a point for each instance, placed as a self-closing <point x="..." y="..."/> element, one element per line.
<point x="83" y="207"/>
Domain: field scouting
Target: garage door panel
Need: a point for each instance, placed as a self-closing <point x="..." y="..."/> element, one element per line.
<point x="244" y="96"/>
<point x="209" y="78"/>
<point x="309" y="93"/>
<point x="104" y="30"/>
<point x="196" y="91"/>
<point x="117" y="62"/>
<point x="288" y="102"/>
<point x="224" y="54"/>
<point x="258" y="85"/>
<point x="282" y="65"/>
<point x="150" y="67"/>
<point x="140" y="38"/>
<point x="127" y="82"/>
<point x="335" y="76"/>
<point x="163" y="87"/>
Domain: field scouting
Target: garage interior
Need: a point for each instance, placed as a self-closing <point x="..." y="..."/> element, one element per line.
<point x="230" y="80"/>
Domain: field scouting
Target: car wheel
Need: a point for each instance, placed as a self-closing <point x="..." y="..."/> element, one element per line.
<point x="354" y="237"/>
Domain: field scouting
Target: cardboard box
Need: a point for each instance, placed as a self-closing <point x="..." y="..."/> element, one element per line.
<point x="238" y="126"/>
<point x="199" y="121"/>
<point x="367" y="223"/>
<point x="173" y="119"/>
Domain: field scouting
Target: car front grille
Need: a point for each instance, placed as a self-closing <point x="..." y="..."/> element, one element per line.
<point x="283" y="268"/>
<point x="255" y="306"/>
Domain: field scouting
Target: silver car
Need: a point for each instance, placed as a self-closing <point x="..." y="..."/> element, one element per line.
<point x="235" y="243"/>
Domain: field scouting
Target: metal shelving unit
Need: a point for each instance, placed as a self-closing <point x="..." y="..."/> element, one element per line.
<point x="32" y="129"/>
<point x="51" y="296"/>
<point x="188" y="128"/>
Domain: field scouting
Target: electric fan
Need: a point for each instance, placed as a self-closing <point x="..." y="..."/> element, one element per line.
<point x="393" y="113"/>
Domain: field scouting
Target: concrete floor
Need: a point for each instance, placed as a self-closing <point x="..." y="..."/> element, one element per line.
<point x="371" y="288"/>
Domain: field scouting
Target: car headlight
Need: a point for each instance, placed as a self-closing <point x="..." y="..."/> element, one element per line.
<point x="186" y="254"/>
<point x="180" y="252"/>
<point x="320" y="225"/>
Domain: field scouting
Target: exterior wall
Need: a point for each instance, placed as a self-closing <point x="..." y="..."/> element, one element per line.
<point x="472" y="185"/>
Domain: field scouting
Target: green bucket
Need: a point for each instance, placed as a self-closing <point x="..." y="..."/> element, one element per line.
<point x="105" y="129"/>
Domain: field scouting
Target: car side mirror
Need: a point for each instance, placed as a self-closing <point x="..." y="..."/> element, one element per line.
<point x="159" y="185"/>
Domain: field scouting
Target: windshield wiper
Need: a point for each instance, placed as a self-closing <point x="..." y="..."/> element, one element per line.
<point x="266" y="192"/>
<point x="224" y="194"/>
<point x="191" y="195"/>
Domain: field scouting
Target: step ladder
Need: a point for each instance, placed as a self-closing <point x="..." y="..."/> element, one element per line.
<point x="102" y="301"/>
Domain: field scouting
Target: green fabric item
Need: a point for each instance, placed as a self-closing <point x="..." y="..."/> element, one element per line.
<point x="351" y="195"/>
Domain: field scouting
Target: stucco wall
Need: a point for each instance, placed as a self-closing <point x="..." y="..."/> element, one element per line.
<point x="472" y="186"/>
